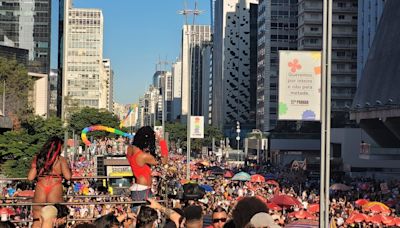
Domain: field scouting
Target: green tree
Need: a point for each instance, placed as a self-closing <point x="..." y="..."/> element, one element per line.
<point x="18" y="147"/>
<point x="17" y="85"/>
<point x="89" y="116"/>
<point x="178" y="133"/>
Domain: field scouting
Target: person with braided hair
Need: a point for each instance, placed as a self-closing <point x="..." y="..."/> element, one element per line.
<point x="141" y="156"/>
<point x="48" y="168"/>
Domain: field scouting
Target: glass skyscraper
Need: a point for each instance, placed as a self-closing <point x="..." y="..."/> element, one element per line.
<point x="26" y="24"/>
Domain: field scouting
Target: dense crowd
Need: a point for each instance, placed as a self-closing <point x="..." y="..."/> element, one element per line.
<point x="274" y="197"/>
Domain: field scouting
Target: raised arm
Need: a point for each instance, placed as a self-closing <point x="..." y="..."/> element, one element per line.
<point x="171" y="214"/>
<point x="66" y="171"/>
<point x="32" y="172"/>
<point x="149" y="159"/>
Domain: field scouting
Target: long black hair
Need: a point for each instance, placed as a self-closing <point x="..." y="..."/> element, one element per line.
<point x="48" y="155"/>
<point x="144" y="138"/>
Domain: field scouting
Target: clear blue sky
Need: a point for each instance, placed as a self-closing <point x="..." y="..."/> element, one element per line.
<point x="136" y="34"/>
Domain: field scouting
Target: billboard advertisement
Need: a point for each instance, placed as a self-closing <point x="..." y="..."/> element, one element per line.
<point x="299" y="85"/>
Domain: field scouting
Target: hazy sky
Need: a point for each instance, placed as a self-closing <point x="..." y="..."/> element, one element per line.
<point x="136" y="34"/>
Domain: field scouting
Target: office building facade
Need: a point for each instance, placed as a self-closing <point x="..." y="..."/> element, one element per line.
<point x="194" y="37"/>
<point x="277" y="30"/>
<point x="369" y="14"/>
<point x="176" y="75"/>
<point x="26" y="24"/>
<point x="108" y="84"/>
<point x="82" y="59"/>
<point x="344" y="49"/>
<point x="231" y="64"/>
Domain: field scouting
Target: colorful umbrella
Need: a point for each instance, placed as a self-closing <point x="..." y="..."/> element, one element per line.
<point x="272" y="182"/>
<point x="313" y="208"/>
<point x="274" y="206"/>
<point x="242" y="176"/>
<point x="376" y="207"/>
<point x="217" y="170"/>
<point x="357" y="217"/>
<point x="285" y="201"/>
<point x="388" y="220"/>
<point x="340" y="187"/>
<point x="257" y="178"/>
<point x="377" y="219"/>
<point x="302" y="214"/>
<point x="207" y="188"/>
<point x="228" y="174"/>
<point x="397" y="221"/>
<point x="361" y="202"/>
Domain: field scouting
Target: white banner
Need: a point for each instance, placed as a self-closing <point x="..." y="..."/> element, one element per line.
<point x="299" y="85"/>
<point x="196" y="127"/>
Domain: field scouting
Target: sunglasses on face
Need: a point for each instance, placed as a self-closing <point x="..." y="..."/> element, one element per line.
<point x="217" y="220"/>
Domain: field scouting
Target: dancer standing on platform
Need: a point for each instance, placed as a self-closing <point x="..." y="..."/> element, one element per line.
<point x="141" y="156"/>
<point x="49" y="168"/>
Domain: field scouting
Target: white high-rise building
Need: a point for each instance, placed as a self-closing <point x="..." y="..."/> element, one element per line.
<point x="193" y="39"/>
<point x="369" y="13"/>
<point x="108" y="81"/>
<point x="82" y="63"/>
<point x="231" y="63"/>
<point x="176" y="89"/>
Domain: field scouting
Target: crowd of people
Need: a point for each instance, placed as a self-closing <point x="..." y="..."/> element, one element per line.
<point x="218" y="195"/>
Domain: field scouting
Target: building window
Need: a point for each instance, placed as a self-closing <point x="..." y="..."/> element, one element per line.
<point x="341" y="17"/>
<point x="340" y="54"/>
<point x="341" y="4"/>
<point x="314" y="29"/>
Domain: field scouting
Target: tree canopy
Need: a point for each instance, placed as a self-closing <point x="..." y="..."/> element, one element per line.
<point x="18" y="147"/>
<point x="178" y="136"/>
<point x="18" y="84"/>
<point x="86" y="117"/>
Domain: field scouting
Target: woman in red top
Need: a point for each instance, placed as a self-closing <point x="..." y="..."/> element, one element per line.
<point x="141" y="156"/>
<point x="49" y="168"/>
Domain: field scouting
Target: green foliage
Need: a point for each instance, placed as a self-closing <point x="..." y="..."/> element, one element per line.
<point x="178" y="133"/>
<point x="89" y="116"/>
<point x="18" y="85"/>
<point x="18" y="147"/>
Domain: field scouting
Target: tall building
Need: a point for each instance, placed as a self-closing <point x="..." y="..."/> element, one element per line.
<point x="163" y="80"/>
<point x="26" y="24"/>
<point x="176" y="71"/>
<point x="109" y="84"/>
<point x="53" y="77"/>
<point x="82" y="58"/>
<point x="207" y="84"/>
<point x="376" y="105"/>
<point x="277" y="30"/>
<point x="193" y="39"/>
<point x="18" y="54"/>
<point x="38" y="96"/>
<point x="369" y="14"/>
<point x="151" y="100"/>
<point x="231" y="65"/>
<point x="344" y="49"/>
